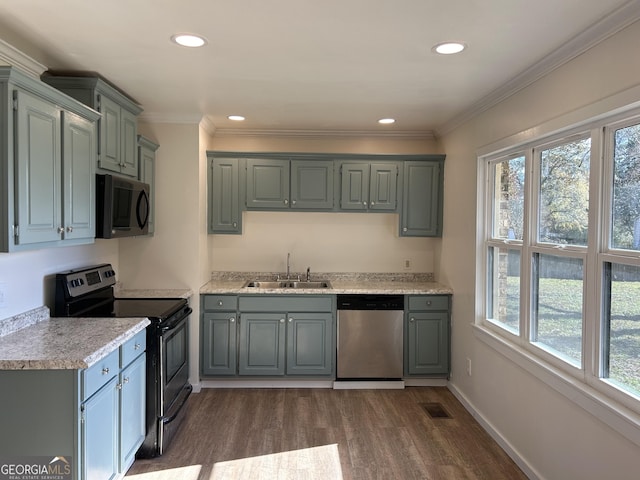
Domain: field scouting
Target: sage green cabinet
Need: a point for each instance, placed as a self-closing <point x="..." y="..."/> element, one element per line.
<point x="427" y="335"/>
<point x="262" y="350"/>
<point x="267" y="184"/>
<point x="47" y="168"/>
<point x="312" y="184"/>
<point x="309" y="343"/>
<point x="147" y="173"/>
<point x="225" y="215"/>
<point x="117" y="146"/>
<point x="422" y="199"/>
<point x="368" y="186"/>
<point x="219" y="344"/>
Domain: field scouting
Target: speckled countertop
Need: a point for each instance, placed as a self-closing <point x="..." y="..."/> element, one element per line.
<point x="33" y="341"/>
<point x="342" y="283"/>
<point x="120" y="292"/>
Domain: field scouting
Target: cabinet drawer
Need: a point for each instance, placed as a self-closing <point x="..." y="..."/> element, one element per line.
<point x="429" y="302"/>
<point x="281" y="303"/>
<point x="100" y="373"/>
<point x="220" y="302"/>
<point x="132" y="348"/>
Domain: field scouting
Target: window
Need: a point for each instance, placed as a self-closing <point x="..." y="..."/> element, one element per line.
<point x="562" y="253"/>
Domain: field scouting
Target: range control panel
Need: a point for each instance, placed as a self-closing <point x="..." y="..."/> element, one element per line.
<point x="85" y="280"/>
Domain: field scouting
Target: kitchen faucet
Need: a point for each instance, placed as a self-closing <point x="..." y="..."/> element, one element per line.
<point x="288" y="266"/>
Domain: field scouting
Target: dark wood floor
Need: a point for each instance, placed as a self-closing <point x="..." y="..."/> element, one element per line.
<point x="380" y="434"/>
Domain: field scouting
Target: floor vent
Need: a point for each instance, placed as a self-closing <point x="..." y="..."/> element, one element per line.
<point x="435" y="410"/>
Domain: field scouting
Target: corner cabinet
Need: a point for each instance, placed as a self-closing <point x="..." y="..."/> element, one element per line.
<point x="147" y="173"/>
<point x="427" y="335"/>
<point x="95" y="417"/>
<point x="47" y="166"/>
<point x="117" y="148"/>
<point x="422" y="199"/>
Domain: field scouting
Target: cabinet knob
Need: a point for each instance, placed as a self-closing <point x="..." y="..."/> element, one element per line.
<point x="125" y="380"/>
<point x="404" y="229"/>
<point x="373" y="203"/>
<point x="60" y="229"/>
<point x="364" y="203"/>
<point x="219" y="303"/>
<point x="293" y="202"/>
<point x="282" y="320"/>
<point x="428" y="303"/>
<point x="412" y="319"/>
<point x="69" y="229"/>
<point x="119" y="386"/>
<point x="105" y="371"/>
<point x="290" y="320"/>
<point x="286" y="201"/>
<point x="235" y="225"/>
<point x="232" y="319"/>
<point x="137" y="346"/>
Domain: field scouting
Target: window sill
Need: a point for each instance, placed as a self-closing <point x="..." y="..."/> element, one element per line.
<point x="620" y="418"/>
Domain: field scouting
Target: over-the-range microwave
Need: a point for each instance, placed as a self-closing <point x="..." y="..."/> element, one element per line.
<point x="122" y="207"/>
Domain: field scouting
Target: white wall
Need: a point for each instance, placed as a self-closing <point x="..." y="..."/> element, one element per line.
<point x="326" y="242"/>
<point x="554" y="436"/>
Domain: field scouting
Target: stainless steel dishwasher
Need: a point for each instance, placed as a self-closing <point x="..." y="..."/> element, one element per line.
<point x="370" y="336"/>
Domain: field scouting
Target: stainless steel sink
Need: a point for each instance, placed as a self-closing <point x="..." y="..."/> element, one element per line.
<point x="287" y="284"/>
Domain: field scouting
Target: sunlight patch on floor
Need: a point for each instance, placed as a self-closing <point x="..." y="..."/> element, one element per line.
<point x="321" y="463"/>
<point x="190" y="472"/>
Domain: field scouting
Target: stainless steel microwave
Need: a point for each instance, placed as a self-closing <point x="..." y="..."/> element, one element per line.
<point x="122" y="207"/>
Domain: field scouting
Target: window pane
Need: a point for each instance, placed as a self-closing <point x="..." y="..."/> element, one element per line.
<point x="504" y="288"/>
<point x="623" y="329"/>
<point x="626" y="188"/>
<point x="508" y="200"/>
<point x="564" y="193"/>
<point x="557" y="306"/>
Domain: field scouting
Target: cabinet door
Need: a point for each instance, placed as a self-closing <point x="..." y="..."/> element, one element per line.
<point x="309" y="343"/>
<point x="99" y="434"/>
<point x="312" y="184"/>
<point x="354" y="188"/>
<point x="262" y="350"/>
<point x="224" y="196"/>
<point x="219" y="352"/>
<point x="38" y="183"/>
<point x="110" y="130"/>
<point x="422" y="200"/>
<point x="146" y="173"/>
<point x="129" y="147"/>
<point x="428" y="343"/>
<point x="268" y="184"/>
<point x="132" y="411"/>
<point x="79" y="143"/>
<point x="383" y="188"/>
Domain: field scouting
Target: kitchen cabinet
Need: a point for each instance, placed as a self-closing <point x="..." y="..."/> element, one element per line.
<point x="275" y="184"/>
<point x="147" y="168"/>
<point x="95" y="417"/>
<point x="422" y="199"/>
<point x="368" y="186"/>
<point x="281" y="335"/>
<point x="47" y="169"/>
<point x="117" y="147"/>
<point x="218" y="335"/>
<point x="427" y="335"/>
<point x="225" y="214"/>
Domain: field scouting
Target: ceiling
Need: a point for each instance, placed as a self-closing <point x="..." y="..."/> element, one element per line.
<point x="321" y="65"/>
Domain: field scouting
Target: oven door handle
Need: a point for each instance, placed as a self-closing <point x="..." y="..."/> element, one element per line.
<point x="185" y="313"/>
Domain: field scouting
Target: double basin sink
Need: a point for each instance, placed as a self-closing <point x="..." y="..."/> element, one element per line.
<point x="287" y="284"/>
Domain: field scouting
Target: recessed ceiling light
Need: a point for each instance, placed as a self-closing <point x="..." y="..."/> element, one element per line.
<point x="236" y="118"/>
<point x="189" y="40"/>
<point x="449" y="48"/>
<point x="386" y="121"/>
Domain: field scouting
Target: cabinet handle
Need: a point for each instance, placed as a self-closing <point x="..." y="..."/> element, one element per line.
<point x="290" y="320"/>
<point x="428" y="303"/>
<point x="412" y="319"/>
<point x="364" y="203"/>
<point x="232" y="319"/>
<point x="126" y="380"/>
<point x="282" y="320"/>
<point x="105" y="371"/>
<point x="235" y="225"/>
<point x="404" y="229"/>
<point x="69" y="229"/>
<point x="119" y="386"/>
<point x="60" y="229"/>
<point x="219" y="303"/>
<point x="286" y="201"/>
<point x="293" y="202"/>
<point x="137" y="346"/>
<point x="373" y="203"/>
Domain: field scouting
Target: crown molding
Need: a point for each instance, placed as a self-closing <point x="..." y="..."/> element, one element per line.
<point x="237" y="132"/>
<point x="14" y="57"/>
<point x="604" y="28"/>
<point x="179" y="118"/>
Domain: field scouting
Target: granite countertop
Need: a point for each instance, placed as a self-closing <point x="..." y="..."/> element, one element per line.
<point x="120" y="292"/>
<point x="403" y="284"/>
<point x="65" y="343"/>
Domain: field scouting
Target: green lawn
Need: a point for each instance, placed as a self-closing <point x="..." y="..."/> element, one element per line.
<point x="560" y="324"/>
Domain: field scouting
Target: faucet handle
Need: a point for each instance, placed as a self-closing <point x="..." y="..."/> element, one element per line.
<point x="308" y="274"/>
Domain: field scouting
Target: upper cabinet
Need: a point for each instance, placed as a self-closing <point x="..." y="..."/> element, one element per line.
<point x="147" y="173"/>
<point x="117" y="148"/>
<point x="47" y="165"/>
<point x="410" y="185"/>
<point x="422" y="199"/>
<point x="368" y="186"/>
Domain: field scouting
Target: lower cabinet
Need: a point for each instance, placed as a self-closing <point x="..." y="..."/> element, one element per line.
<point x="94" y="418"/>
<point x="427" y="335"/>
<point x="268" y="336"/>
